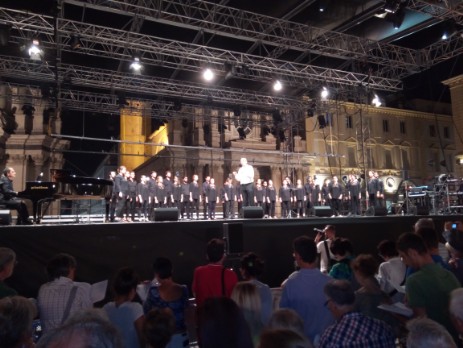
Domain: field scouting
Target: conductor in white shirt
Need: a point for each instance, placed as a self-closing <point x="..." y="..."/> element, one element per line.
<point x="245" y="176"/>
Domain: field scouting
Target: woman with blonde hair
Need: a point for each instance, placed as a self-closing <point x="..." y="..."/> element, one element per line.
<point x="246" y="295"/>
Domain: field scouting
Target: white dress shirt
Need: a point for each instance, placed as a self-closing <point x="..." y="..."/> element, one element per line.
<point x="245" y="174"/>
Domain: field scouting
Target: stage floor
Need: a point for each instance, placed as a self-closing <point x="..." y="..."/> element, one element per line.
<point x="102" y="248"/>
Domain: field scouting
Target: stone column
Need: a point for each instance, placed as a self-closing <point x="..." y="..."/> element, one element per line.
<point x="456" y="91"/>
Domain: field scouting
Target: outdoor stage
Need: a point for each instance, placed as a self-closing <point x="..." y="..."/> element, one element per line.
<point x="101" y="248"/>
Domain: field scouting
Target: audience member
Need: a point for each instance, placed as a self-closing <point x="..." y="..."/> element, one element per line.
<point x="424" y="332"/>
<point x="158" y="327"/>
<point x="246" y="296"/>
<point x="455" y="248"/>
<point x="287" y="319"/>
<point x="431" y="241"/>
<point x="7" y="263"/>
<point x="62" y="296"/>
<point x="251" y="268"/>
<point x="16" y="315"/>
<point x="222" y="324"/>
<point x="343" y="252"/>
<point x="456" y="311"/>
<point x="126" y="315"/>
<point x="168" y="294"/>
<point x="281" y="338"/>
<point x="391" y="273"/>
<point x="352" y="329"/>
<point x="213" y="279"/>
<point x="88" y="328"/>
<point x="369" y="296"/>
<point x="428" y="289"/>
<point x="324" y="239"/>
<point x="303" y="291"/>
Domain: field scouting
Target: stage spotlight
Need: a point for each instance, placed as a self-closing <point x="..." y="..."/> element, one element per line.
<point x="376" y="101"/>
<point x="75" y="42"/>
<point x="230" y="70"/>
<point x="277" y="86"/>
<point x="177" y="105"/>
<point x="241" y="133"/>
<point x="322" y="5"/>
<point x="321" y="121"/>
<point x="208" y="74"/>
<point x="237" y="111"/>
<point x="391" y="6"/>
<point x="35" y="52"/>
<point x="324" y="93"/>
<point x="136" y="66"/>
<point x="398" y="18"/>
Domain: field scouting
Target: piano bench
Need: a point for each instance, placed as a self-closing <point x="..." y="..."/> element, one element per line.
<point x="5" y="216"/>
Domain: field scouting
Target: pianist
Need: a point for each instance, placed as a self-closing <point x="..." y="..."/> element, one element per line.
<point x="9" y="199"/>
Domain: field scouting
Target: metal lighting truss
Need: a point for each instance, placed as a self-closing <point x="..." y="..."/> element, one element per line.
<point x="109" y="42"/>
<point x="392" y="61"/>
<point x="140" y="85"/>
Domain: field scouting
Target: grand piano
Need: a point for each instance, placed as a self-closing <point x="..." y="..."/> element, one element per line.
<point x="64" y="185"/>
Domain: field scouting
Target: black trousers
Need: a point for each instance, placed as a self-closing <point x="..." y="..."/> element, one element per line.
<point x="247" y="190"/>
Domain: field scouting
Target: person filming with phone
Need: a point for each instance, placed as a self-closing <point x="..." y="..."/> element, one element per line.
<point x="323" y="240"/>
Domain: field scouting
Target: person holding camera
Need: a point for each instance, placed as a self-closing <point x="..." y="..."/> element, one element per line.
<point x="323" y="240"/>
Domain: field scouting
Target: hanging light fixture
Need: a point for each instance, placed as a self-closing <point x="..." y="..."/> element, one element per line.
<point x="208" y="74"/>
<point x="277" y="86"/>
<point x="35" y="52"/>
<point x="324" y="93"/>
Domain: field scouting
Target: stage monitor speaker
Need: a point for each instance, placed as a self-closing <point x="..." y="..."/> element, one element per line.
<point x="165" y="214"/>
<point x="233" y="236"/>
<point x="323" y="211"/>
<point x="376" y="211"/>
<point x="5" y="217"/>
<point x="422" y="210"/>
<point x="253" y="212"/>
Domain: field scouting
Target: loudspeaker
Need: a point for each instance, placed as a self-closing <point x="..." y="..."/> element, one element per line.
<point x="376" y="211"/>
<point x="233" y="236"/>
<point x="323" y="211"/>
<point x="253" y="212"/>
<point x="165" y="214"/>
<point x="422" y="210"/>
<point x="5" y="217"/>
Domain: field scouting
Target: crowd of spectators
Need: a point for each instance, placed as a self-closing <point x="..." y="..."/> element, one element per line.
<point x="334" y="298"/>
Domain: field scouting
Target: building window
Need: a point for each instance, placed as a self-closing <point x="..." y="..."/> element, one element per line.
<point x="432" y="130"/>
<point x="403" y="129"/>
<point x="446" y="132"/>
<point x="385" y="126"/>
<point x="349" y="122"/>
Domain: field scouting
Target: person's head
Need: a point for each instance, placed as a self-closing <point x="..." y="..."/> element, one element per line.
<point x="335" y="179"/>
<point x="364" y="267"/>
<point x="195" y="177"/>
<point x="221" y="324"/>
<point x="158" y="327"/>
<point x="88" y="328"/>
<point x="7" y="262"/>
<point x="424" y="223"/>
<point x="330" y="232"/>
<point x="424" y="332"/>
<point x="243" y="161"/>
<point x="212" y="181"/>
<point x="61" y="265"/>
<point x="122" y="170"/>
<point x="370" y="174"/>
<point x="9" y="172"/>
<point x="215" y="250"/>
<point x="154" y="174"/>
<point x="16" y="315"/>
<point x="456" y="309"/>
<point x="125" y="282"/>
<point x="162" y="268"/>
<point x="160" y="180"/>
<point x="207" y="179"/>
<point x="252" y="266"/>
<point x="270" y="183"/>
<point x="305" y="250"/>
<point x="341" y="248"/>
<point x="340" y="297"/>
<point x="429" y="236"/>
<point x="411" y="249"/>
<point x="283" y="338"/>
<point x="185" y="179"/>
<point x="168" y="175"/>
<point x="455" y="243"/>
<point x="285" y="318"/>
<point x="247" y="297"/>
<point x="132" y="174"/>
<point x="387" y="249"/>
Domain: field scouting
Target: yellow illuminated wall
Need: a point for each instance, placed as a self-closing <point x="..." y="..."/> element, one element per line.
<point x="133" y="126"/>
<point x="135" y="135"/>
